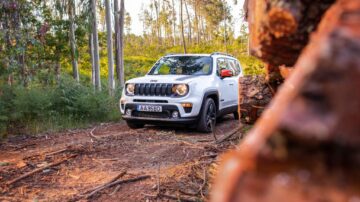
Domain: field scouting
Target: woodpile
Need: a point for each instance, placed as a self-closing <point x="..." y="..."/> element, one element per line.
<point x="306" y="144"/>
<point x="255" y="94"/>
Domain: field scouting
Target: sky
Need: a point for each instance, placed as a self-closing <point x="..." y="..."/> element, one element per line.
<point x="134" y="8"/>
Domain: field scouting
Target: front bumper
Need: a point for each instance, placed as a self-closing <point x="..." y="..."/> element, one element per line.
<point x="157" y="117"/>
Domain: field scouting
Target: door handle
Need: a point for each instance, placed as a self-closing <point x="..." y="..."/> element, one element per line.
<point x="231" y="84"/>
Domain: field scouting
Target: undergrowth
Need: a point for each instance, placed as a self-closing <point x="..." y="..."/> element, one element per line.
<point x="67" y="105"/>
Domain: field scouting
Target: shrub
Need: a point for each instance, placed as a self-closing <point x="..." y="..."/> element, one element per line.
<point x="67" y="105"/>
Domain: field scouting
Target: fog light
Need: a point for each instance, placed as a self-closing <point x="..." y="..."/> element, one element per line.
<point x="128" y="112"/>
<point x="175" y="114"/>
<point x="186" y="104"/>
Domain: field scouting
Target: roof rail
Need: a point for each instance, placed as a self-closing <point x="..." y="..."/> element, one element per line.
<point x="220" y="53"/>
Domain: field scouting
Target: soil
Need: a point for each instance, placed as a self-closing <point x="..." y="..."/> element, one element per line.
<point x="179" y="158"/>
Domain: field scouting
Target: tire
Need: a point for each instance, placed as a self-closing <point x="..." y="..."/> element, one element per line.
<point x="134" y="125"/>
<point x="207" y="119"/>
<point x="236" y="115"/>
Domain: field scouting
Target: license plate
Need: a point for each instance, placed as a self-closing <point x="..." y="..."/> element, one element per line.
<point x="149" y="108"/>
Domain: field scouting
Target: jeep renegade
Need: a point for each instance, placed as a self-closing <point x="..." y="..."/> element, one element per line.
<point x="191" y="89"/>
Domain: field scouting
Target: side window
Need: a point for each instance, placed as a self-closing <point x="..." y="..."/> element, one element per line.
<point x="238" y="67"/>
<point x="221" y="64"/>
<point x="229" y="64"/>
<point x="235" y="67"/>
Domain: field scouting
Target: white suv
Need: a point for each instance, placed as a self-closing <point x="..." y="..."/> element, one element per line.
<point x="191" y="89"/>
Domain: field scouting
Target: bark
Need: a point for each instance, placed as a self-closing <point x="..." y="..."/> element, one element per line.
<point x="121" y="58"/>
<point x="189" y="23"/>
<point x="158" y="27"/>
<point x="91" y="50"/>
<point x="308" y="139"/>
<point x="182" y="26"/>
<point x="74" y="57"/>
<point x="109" y="42"/>
<point x="96" y="47"/>
<point x="58" y="71"/>
<point x="255" y="94"/>
<point x="280" y="29"/>
<point x="117" y="40"/>
<point x="174" y="22"/>
<point x="197" y="22"/>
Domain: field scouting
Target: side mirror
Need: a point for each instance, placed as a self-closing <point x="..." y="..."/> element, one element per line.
<point x="226" y="73"/>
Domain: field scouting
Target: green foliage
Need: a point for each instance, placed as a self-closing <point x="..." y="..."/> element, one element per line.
<point x="69" y="104"/>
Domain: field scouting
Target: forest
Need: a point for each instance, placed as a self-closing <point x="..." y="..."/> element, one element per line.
<point x="63" y="63"/>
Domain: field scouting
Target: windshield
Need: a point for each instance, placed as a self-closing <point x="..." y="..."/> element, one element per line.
<point x="183" y="65"/>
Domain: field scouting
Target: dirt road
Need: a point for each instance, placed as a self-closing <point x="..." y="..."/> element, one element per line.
<point x="104" y="151"/>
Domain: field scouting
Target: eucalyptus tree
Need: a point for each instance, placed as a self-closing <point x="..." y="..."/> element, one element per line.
<point x="95" y="41"/>
<point x="121" y="47"/>
<point x="119" y="41"/>
<point x="182" y="26"/>
<point x="74" y="55"/>
<point x="109" y="48"/>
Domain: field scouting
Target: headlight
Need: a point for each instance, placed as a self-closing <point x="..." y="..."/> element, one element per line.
<point x="180" y="89"/>
<point x="130" y="89"/>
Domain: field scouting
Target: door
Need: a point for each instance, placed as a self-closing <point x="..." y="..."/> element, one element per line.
<point x="226" y="85"/>
<point x="234" y="87"/>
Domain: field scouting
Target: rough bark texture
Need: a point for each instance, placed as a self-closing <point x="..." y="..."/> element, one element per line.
<point x="255" y="94"/>
<point x="280" y="29"/>
<point x="110" y="53"/>
<point x="308" y="139"/>
<point x="96" y="46"/>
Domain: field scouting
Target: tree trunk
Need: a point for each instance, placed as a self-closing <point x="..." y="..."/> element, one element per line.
<point x="96" y="47"/>
<point x="121" y="47"/>
<point x="182" y="26"/>
<point x="174" y="22"/>
<point x="189" y="23"/>
<point x="158" y="28"/>
<point x="74" y="56"/>
<point x="109" y="49"/>
<point x="225" y="34"/>
<point x="197" y="22"/>
<point x="91" y="50"/>
<point x="117" y="40"/>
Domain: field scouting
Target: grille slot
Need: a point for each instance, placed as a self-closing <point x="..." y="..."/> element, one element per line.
<point x="161" y="115"/>
<point x="151" y="101"/>
<point x="153" y="89"/>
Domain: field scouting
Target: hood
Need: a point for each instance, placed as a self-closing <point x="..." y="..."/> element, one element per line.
<point x="164" y="79"/>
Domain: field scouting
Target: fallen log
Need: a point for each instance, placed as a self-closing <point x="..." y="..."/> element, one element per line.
<point x="121" y="174"/>
<point x="228" y="135"/>
<point x="117" y="182"/>
<point x="39" y="169"/>
<point x="254" y="93"/>
<point x="280" y="29"/>
<point x="308" y="140"/>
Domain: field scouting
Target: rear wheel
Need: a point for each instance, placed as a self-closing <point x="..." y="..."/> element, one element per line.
<point x="134" y="125"/>
<point x="208" y="116"/>
<point x="236" y="115"/>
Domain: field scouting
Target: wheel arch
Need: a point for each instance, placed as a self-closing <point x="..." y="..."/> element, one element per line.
<point x="214" y="94"/>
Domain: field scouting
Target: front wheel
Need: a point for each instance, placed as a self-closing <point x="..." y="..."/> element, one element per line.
<point x="134" y="125"/>
<point x="207" y="119"/>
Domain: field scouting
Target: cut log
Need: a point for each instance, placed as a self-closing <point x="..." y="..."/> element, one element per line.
<point x="280" y="29"/>
<point x="255" y="93"/>
<point x="307" y="140"/>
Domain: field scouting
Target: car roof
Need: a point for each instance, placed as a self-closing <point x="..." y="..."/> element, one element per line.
<point x="201" y="54"/>
<point x="188" y="54"/>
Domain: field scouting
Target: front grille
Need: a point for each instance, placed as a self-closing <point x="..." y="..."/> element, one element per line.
<point x="161" y="115"/>
<point x="153" y="89"/>
<point x="151" y="101"/>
